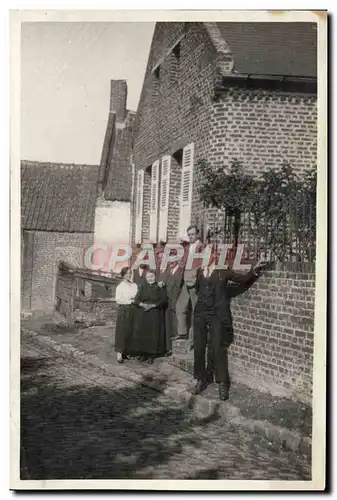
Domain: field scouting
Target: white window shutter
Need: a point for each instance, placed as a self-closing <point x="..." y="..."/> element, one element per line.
<point x="139" y="206"/>
<point x="186" y="190"/>
<point x="154" y="201"/>
<point x="164" y="197"/>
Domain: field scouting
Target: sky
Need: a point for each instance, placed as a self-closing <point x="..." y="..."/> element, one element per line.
<point x="66" y="70"/>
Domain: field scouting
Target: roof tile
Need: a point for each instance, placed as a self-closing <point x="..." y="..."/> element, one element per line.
<point x="272" y="48"/>
<point x="58" y="197"/>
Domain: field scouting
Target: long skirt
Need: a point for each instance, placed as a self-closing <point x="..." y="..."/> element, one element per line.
<point x="124" y="328"/>
<point x="149" y="332"/>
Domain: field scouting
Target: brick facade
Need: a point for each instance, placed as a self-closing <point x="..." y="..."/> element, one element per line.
<point x="184" y="100"/>
<point x="179" y="106"/>
<point x="264" y="128"/>
<point x="42" y="252"/>
<point x="275" y="346"/>
<point x="179" y="111"/>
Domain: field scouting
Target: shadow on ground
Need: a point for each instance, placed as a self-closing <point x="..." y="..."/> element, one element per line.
<point x="84" y="431"/>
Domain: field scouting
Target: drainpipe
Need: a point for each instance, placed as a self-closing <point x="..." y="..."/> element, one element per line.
<point x="132" y="202"/>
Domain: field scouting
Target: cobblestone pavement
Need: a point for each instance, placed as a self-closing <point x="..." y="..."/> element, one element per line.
<point x="79" y="422"/>
<point x="251" y="402"/>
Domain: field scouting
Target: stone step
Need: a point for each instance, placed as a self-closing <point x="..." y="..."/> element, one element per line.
<point x="181" y="346"/>
<point x="183" y="361"/>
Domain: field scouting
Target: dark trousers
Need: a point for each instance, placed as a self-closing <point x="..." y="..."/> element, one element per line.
<point x="209" y="331"/>
<point x="171" y="328"/>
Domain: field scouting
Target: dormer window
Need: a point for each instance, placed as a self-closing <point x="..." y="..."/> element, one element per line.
<point x="155" y="82"/>
<point x="157" y="72"/>
<point x="176" y="52"/>
<point x="174" y="64"/>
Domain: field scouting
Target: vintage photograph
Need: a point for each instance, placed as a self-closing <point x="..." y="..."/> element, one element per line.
<point x="169" y="211"/>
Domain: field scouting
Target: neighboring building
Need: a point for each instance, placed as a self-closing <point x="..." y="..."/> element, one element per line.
<point x="113" y="207"/>
<point x="65" y="209"/>
<point x="219" y="91"/>
<point x="57" y="223"/>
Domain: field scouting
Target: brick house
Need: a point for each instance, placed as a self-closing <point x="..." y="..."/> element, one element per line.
<point x="57" y="223"/>
<point x="216" y="92"/>
<point x="219" y="91"/>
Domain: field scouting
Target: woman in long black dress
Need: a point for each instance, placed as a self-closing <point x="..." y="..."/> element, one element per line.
<point x="125" y="294"/>
<point x="149" y="329"/>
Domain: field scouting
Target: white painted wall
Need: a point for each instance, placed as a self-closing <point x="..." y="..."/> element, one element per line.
<point x="112" y="223"/>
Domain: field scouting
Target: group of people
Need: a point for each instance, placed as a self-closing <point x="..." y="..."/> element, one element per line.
<point x="153" y="310"/>
<point x="140" y="326"/>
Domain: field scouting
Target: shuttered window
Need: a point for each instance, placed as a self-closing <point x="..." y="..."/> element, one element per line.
<point x="139" y="206"/>
<point x="186" y="190"/>
<point x="164" y="197"/>
<point x="154" y="201"/>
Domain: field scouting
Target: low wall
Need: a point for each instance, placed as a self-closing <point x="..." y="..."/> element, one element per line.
<point x="82" y="304"/>
<point x="274" y="333"/>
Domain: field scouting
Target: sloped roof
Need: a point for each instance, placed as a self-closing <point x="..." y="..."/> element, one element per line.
<point x="115" y="168"/>
<point x="107" y="147"/>
<point x="58" y="197"/>
<point x="272" y="48"/>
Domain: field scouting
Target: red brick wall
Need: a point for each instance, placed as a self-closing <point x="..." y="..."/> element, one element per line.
<point x="45" y="250"/>
<point x="180" y="112"/>
<point x="264" y="128"/>
<point x="274" y="332"/>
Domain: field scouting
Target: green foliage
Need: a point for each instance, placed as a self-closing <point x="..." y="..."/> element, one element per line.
<point x="281" y="207"/>
<point x="231" y="191"/>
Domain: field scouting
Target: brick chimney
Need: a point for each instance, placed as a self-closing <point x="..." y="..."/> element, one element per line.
<point x="118" y="96"/>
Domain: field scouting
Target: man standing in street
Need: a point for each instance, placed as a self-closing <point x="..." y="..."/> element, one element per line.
<point x="213" y="322"/>
<point x="188" y="293"/>
<point x="171" y="278"/>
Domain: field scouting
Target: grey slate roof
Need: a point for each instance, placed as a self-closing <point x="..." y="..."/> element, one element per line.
<point x="58" y="197"/>
<point x="272" y="48"/>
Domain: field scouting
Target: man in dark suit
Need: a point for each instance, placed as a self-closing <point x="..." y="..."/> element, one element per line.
<point x="213" y="322"/>
<point x="172" y="279"/>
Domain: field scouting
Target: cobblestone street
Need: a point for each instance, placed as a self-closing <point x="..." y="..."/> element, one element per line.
<point x="78" y="422"/>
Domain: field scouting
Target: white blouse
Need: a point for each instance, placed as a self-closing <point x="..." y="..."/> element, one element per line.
<point x="125" y="292"/>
